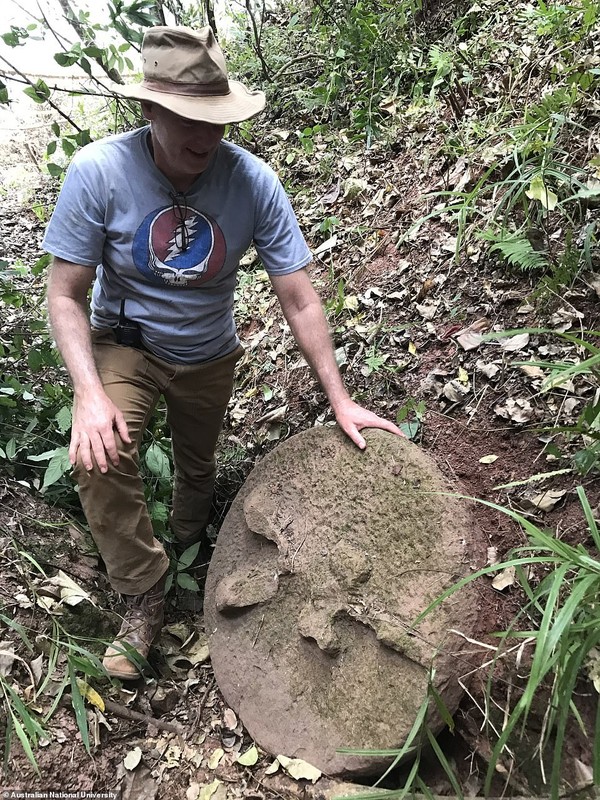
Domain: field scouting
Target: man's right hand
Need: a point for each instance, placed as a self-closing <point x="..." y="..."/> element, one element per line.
<point x="95" y="419"/>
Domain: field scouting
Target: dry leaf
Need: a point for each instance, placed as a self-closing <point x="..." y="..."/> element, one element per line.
<point x="489" y="370"/>
<point x="518" y="410"/>
<point x="332" y="195"/>
<point x="90" y="694"/>
<point x="504" y="579"/>
<point x="463" y="375"/>
<point x="488" y="459"/>
<point x="273" y="768"/>
<point x="583" y="775"/>
<point x="37" y="668"/>
<point x="532" y="371"/>
<point x="470" y="338"/>
<point x="198" y="652"/>
<point x="193" y="791"/>
<point x="70" y="593"/>
<point x="595" y="283"/>
<point x="389" y="106"/>
<point x="455" y="391"/>
<point x="229" y="719"/>
<point x="206" y="792"/>
<point x="492" y="556"/>
<point x="299" y="769"/>
<point x="7" y="658"/>
<point x="23" y="601"/>
<point x="546" y="501"/>
<point x="427" y="310"/>
<point x="326" y="246"/>
<point x="132" y="759"/>
<point x="215" y="758"/>
<point x="249" y="758"/>
<point x="514" y="343"/>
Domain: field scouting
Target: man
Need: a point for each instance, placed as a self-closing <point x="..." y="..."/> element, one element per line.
<point x="161" y="216"/>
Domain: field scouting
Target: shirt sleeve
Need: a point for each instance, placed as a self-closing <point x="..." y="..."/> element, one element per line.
<point x="76" y="231"/>
<point x="277" y="236"/>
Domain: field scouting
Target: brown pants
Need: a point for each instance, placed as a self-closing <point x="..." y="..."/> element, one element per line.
<point x="196" y="396"/>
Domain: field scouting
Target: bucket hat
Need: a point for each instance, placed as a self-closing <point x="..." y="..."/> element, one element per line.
<point x="185" y="72"/>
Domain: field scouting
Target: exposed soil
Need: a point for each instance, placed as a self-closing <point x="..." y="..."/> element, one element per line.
<point x="410" y="303"/>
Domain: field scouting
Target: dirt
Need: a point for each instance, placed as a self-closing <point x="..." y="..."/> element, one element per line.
<point x="422" y="356"/>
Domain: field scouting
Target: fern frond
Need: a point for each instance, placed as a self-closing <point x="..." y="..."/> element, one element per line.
<point x="516" y="250"/>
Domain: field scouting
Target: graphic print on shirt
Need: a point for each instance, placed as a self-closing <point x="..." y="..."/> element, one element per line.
<point x="159" y="253"/>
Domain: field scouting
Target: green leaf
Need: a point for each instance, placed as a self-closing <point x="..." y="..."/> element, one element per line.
<point x="59" y="464"/>
<point x="410" y="429"/>
<point x="157" y="461"/>
<point x="24" y="741"/>
<point x="158" y="511"/>
<point x="64" y="419"/>
<point x="66" y="60"/>
<point x="39" y="92"/>
<point x="187" y="582"/>
<point x="68" y="147"/>
<point x="32" y="726"/>
<point x="79" y="708"/>
<point x="45" y="456"/>
<point x="55" y="128"/>
<point x="35" y="359"/>
<point x="188" y="556"/>
<point x="16" y="626"/>
<point x="54" y="170"/>
<point x="444" y="763"/>
<point x="539" y="191"/>
<point x="93" y="52"/>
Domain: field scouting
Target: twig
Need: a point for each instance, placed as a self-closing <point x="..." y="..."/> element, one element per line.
<point x="47" y="100"/>
<point x="303" y="57"/>
<point x="135" y="716"/>
<point x="476" y="409"/>
<point x="262" y="619"/>
<point x="202" y="705"/>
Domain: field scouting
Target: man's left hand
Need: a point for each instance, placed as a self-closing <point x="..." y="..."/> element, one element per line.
<point x="352" y="418"/>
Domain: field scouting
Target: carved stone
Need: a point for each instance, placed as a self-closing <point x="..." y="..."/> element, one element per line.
<point x="327" y="556"/>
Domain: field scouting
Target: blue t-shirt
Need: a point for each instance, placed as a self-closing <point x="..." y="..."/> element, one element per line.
<point x="173" y="257"/>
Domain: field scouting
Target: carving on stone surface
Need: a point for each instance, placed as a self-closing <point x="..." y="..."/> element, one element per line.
<point x="325" y="559"/>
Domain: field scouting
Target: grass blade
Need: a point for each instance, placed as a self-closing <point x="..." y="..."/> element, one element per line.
<point x="79" y="708"/>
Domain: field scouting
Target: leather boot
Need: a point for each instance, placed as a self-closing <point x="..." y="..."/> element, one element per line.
<point x="142" y="623"/>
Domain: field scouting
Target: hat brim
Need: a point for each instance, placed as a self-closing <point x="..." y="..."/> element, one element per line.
<point x="240" y="104"/>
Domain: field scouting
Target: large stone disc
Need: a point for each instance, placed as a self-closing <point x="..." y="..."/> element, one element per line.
<point x="325" y="559"/>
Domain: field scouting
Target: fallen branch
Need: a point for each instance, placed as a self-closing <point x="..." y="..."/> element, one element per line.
<point x="135" y="716"/>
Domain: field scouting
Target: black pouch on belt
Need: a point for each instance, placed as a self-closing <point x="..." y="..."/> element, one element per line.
<point x="127" y="331"/>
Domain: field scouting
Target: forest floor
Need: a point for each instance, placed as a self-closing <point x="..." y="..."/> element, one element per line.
<point x="406" y="320"/>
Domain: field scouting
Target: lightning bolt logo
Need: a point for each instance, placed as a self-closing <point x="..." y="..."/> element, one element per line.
<point x="175" y="243"/>
<point x="176" y="252"/>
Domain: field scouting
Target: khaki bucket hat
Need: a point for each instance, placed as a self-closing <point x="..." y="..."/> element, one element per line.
<point x="185" y="72"/>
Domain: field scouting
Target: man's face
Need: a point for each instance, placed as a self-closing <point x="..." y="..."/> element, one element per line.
<point x="183" y="148"/>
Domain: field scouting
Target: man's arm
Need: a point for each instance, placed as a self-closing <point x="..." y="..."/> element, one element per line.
<point x="95" y="416"/>
<point x="303" y="311"/>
